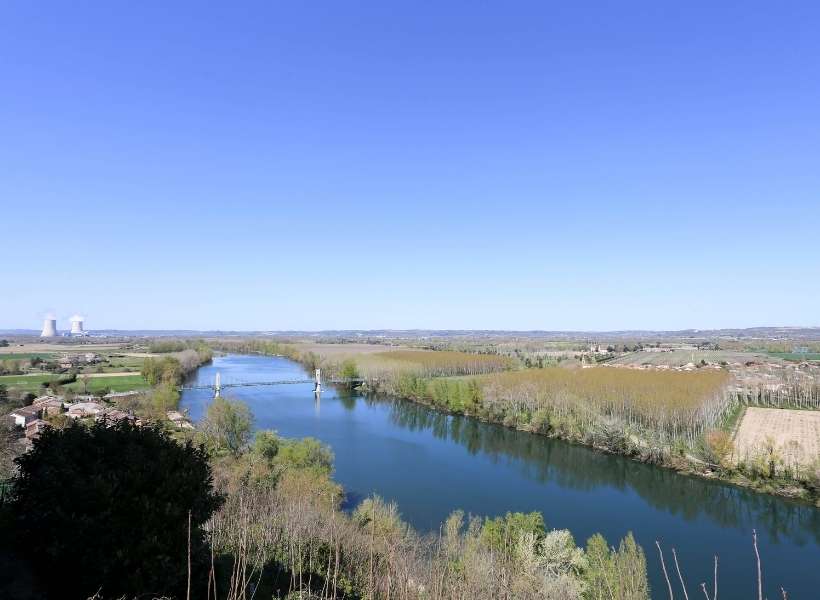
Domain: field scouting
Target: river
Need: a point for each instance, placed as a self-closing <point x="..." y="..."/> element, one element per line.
<point x="431" y="464"/>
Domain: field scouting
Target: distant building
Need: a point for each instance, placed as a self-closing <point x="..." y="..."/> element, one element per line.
<point x="49" y="328"/>
<point x="35" y="428"/>
<point x="24" y="416"/>
<point x="77" y="326"/>
<point x="78" y="410"/>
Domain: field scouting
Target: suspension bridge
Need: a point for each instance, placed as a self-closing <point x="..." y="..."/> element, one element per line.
<point x="218" y="385"/>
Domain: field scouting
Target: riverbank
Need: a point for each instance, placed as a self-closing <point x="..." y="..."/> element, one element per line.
<point x="684" y="465"/>
<point x="430" y="462"/>
<point x="691" y="447"/>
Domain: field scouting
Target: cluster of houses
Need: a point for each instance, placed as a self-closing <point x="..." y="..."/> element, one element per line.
<point x="69" y="361"/>
<point x="34" y="418"/>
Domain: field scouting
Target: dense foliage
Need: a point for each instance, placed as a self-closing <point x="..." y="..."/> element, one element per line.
<point x="282" y="532"/>
<point x="107" y="508"/>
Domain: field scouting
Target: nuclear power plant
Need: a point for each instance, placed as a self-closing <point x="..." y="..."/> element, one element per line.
<point x="49" y="328"/>
<point x="77" y="325"/>
<point x="76" y="329"/>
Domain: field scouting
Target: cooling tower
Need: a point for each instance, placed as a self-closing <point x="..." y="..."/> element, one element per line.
<point x="49" y="328"/>
<point x="76" y="325"/>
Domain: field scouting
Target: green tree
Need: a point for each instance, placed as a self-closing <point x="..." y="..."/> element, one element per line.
<point x="166" y="369"/>
<point x="85" y="380"/>
<point x="615" y="574"/>
<point x="151" y="371"/>
<point x="502" y="533"/>
<point x="227" y="426"/>
<point x="106" y="508"/>
<point x="349" y="369"/>
<point x="164" y="398"/>
<point x="8" y="448"/>
<point x="266" y="445"/>
<point x="307" y="453"/>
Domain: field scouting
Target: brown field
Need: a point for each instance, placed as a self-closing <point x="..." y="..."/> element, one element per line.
<point x="796" y="434"/>
<point x="679" y="358"/>
<point x="336" y="350"/>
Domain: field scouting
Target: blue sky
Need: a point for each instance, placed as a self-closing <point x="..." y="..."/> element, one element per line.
<point x="410" y="164"/>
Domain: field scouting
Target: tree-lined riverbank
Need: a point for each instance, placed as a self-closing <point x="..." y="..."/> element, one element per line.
<point x="677" y="420"/>
<point x="431" y="462"/>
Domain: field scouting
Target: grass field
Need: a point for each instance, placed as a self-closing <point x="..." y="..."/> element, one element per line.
<point x="796" y="356"/>
<point x="26" y="355"/>
<point x="27" y="383"/>
<point x="115" y="384"/>
<point x="32" y="383"/>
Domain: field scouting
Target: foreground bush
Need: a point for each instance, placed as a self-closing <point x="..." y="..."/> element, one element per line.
<point x="106" y="508"/>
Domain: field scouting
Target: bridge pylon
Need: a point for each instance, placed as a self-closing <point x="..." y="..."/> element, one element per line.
<point x="317" y="386"/>
<point x="217" y="385"/>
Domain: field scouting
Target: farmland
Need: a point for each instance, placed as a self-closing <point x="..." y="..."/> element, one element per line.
<point x="27" y="383"/>
<point x="87" y="367"/>
<point x="25" y="355"/>
<point x="34" y="383"/>
<point x="682" y="357"/>
<point x="123" y="383"/>
<point x="790" y="436"/>
<point x="673" y="406"/>
<point x="796" y="356"/>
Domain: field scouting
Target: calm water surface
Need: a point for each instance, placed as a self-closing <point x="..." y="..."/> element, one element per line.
<point x="432" y="464"/>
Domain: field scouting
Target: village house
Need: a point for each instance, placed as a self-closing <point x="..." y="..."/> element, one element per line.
<point x="68" y="361"/>
<point x="50" y="405"/>
<point x="36" y="427"/>
<point x="79" y="410"/>
<point x="115" y="415"/>
<point x="24" y="416"/>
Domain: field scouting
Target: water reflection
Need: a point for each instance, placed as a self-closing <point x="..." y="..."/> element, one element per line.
<point x="545" y="460"/>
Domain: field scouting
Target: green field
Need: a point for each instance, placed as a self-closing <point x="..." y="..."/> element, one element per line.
<point x="115" y="384"/>
<point x="32" y="383"/>
<point x="796" y="356"/>
<point x="27" y="383"/>
<point x="26" y="356"/>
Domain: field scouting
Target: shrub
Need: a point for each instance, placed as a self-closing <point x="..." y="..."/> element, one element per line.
<point x="227" y="425"/>
<point x="106" y="508"/>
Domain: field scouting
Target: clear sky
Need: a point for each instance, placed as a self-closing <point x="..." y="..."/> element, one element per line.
<point x="313" y="165"/>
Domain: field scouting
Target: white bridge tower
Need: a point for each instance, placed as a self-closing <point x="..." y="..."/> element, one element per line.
<point x="317" y="387"/>
<point x="217" y="385"/>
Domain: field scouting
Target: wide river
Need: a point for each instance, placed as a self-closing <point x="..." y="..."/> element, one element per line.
<point x="431" y="464"/>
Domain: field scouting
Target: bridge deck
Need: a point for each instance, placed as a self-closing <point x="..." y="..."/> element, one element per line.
<point x="212" y="386"/>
